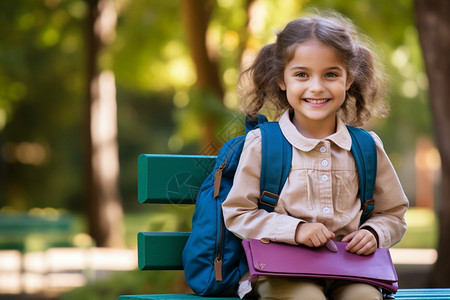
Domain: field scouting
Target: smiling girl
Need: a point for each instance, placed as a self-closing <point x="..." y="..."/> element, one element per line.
<point x="319" y="77"/>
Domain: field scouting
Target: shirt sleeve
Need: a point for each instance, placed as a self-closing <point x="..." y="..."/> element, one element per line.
<point x="391" y="203"/>
<point x="240" y="209"/>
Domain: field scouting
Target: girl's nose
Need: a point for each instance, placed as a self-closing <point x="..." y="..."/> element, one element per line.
<point x="316" y="85"/>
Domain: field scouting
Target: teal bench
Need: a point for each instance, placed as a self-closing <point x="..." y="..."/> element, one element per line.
<point x="35" y="232"/>
<point x="176" y="179"/>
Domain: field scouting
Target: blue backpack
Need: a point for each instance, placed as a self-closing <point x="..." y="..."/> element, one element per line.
<point x="213" y="257"/>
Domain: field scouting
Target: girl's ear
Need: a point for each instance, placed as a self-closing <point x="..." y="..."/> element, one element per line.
<point x="281" y="84"/>
<point x="349" y="82"/>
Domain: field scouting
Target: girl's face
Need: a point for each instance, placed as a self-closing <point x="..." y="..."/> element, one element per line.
<point x="315" y="81"/>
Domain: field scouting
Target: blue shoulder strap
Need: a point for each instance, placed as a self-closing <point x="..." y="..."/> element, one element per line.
<point x="252" y="123"/>
<point x="365" y="153"/>
<point x="276" y="157"/>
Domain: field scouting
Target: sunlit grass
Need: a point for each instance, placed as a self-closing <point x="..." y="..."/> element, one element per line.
<point x="423" y="230"/>
<point x="167" y="219"/>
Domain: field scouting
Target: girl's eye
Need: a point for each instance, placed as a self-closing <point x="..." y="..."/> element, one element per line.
<point x="301" y="74"/>
<point x="331" y="74"/>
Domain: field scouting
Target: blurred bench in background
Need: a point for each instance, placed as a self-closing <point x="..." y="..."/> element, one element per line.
<point x="35" y="231"/>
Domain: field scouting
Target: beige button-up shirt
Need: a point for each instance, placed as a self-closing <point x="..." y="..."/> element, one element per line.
<point x="322" y="186"/>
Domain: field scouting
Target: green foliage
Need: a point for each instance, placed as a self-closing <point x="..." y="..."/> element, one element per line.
<point x="150" y="51"/>
<point x="194" y="119"/>
<point x="40" y="90"/>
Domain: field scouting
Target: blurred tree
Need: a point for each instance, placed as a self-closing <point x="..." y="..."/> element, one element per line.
<point x="196" y="16"/>
<point x="433" y="23"/>
<point x="104" y="208"/>
<point x="40" y="91"/>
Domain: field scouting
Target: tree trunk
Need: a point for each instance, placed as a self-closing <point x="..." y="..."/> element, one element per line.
<point x="433" y="24"/>
<point x="196" y="16"/>
<point x="104" y="209"/>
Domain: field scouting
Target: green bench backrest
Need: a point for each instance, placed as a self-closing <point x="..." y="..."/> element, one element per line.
<point x="172" y="179"/>
<point x="168" y="179"/>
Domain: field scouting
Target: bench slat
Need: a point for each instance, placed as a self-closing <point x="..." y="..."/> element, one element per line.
<point x="426" y="293"/>
<point x="436" y="291"/>
<point x="407" y="294"/>
<point x="161" y="250"/>
<point x="172" y="179"/>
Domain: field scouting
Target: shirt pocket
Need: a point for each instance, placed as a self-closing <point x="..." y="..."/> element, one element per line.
<point x="296" y="195"/>
<point x="346" y="188"/>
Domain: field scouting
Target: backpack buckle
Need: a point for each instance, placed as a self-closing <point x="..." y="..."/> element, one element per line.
<point x="268" y="199"/>
<point x="366" y="205"/>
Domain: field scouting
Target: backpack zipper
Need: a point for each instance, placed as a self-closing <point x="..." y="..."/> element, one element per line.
<point x="217" y="180"/>
<point x="218" y="268"/>
<point x="219" y="171"/>
<point x="218" y="260"/>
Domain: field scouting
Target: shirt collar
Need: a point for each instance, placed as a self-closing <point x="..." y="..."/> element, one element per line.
<point x="341" y="137"/>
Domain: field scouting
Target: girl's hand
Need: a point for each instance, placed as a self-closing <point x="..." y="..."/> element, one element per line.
<point x="313" y="234"/>
<point x="362" y="242"/>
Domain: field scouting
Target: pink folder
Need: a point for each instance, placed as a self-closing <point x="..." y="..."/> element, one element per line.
<point x="279" y="259"/>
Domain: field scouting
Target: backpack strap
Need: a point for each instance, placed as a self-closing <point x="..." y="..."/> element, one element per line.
<point x="276" y="157"/>
<point x="364" y="151"/>
<point x="252" y="123"/>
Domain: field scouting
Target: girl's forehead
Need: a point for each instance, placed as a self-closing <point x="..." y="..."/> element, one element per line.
<point x="314" y="52"/>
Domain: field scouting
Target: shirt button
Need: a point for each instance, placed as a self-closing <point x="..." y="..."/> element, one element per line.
<point x="326" y="209"/>
<point x="323" y="149"/>
<point x="324" y="163"/>
<point x="324" y="178"/>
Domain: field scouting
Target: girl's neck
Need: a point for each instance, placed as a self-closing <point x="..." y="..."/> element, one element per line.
<point x="315" y="129"/>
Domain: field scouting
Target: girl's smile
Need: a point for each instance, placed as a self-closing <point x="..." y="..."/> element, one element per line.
<point x="316" y="101"/>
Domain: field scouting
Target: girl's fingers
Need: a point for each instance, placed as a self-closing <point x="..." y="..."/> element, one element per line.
<point x="313" y="234"/>
<point x="362" y="243"/>
<point x="349" y="237"/>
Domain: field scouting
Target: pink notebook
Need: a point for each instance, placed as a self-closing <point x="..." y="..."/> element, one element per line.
<point x="278" y="259"/>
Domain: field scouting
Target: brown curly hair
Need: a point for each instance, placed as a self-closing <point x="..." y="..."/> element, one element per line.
<point x="258" y="83"/>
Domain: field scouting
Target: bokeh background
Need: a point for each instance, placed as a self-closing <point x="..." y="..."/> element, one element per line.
<point x="87" y="86"/>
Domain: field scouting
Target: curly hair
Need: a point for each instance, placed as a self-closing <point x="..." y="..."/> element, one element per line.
<point x="258" y="84"/>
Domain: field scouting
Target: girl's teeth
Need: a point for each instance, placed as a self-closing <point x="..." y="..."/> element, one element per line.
<point x="316" y="101"/>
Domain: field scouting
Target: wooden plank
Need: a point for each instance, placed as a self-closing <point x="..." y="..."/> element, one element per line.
<point x="172" y="179"/>
<point x="161" y="250"/>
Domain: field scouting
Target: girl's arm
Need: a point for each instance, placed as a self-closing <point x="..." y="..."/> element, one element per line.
<point x="241" y="213"/>
<point x="387" y="222"/>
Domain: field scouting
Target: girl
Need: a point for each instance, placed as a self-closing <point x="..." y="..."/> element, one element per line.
<point x="319" y="77"/>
